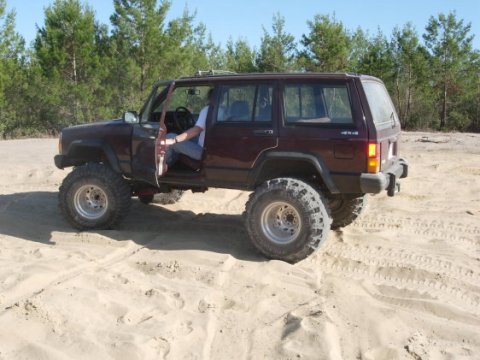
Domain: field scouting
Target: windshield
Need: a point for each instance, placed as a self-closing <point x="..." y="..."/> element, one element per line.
<point x="158" y="93"/>
<point x="193" y="98"/>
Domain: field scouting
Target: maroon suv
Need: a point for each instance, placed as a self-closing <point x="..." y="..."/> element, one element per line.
<point x="310" y="146"/>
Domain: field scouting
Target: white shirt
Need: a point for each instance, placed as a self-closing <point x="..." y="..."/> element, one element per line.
<point x="201" y="123"/>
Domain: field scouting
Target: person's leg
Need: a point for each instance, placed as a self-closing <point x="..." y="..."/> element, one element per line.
<point x="171" y="154"/>
<point x="189" y="148"/>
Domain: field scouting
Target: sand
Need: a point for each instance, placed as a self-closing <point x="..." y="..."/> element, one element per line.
<point x="183" y="281"/>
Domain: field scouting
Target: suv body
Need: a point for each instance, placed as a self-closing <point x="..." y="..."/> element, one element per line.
<point x="336" y="135"/>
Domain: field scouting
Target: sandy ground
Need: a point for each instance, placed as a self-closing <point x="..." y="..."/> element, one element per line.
<point x="183" y="282"/>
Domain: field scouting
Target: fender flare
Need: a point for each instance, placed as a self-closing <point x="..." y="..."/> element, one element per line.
<point x="317" y="162"/>
<point x="95" y="144"/>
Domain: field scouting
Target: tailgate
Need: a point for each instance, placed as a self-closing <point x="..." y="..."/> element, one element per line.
<point x="385" y="120"/>
<point x="388" y="148"/>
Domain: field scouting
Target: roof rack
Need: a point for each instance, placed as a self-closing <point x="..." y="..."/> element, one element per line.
<point x="214" y="72"/>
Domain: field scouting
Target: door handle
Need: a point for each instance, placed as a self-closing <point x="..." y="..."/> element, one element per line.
<point x="268" y="132"/>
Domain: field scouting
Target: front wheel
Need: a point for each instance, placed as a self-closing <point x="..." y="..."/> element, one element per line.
<point x="93" y="196"/>
<point x="287" y="219"/>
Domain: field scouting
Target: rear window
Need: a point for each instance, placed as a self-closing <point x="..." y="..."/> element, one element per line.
<point x="381" y="106"/>
<point x="317" y="104"/>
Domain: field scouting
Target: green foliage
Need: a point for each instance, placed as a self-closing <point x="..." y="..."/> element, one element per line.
<point x="239" y="57"/>
<point x="450" y="46"/>
<point x="277" y="50"/>
<point x="326" y="46"/>
<point x="411" y="78"/>
<point x="67" y="52"/>
<point x="78" y="72"/>
<point x="12" y="79"/>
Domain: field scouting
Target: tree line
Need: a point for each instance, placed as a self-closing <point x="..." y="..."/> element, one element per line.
<point x="77" y="70"/>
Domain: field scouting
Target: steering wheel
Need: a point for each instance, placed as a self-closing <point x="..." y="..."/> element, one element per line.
<point x="183" y="118"/>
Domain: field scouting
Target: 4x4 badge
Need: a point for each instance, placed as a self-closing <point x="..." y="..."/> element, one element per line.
<point x="350" y="133"/>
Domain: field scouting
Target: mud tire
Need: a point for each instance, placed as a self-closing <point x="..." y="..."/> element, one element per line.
<point x="345" y="210"/>
<point x="93" y="196"/>
<point x="287" y="219"/>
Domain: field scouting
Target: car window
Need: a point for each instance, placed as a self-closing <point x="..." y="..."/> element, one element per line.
<point x="191" y="97"/>
<point x="381" y="106"/>
<point x="317" y="104"/>
<point x="245" y="103"/>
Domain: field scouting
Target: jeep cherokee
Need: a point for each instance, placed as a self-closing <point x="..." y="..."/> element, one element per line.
<point x="309" y="146"/>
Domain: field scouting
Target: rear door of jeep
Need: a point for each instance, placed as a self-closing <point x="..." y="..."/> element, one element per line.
<point x="383" y="123"/>
<point x="241" y="128"/>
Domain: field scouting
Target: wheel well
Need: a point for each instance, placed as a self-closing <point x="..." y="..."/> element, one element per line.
<point x="80" y="155"/>
<point x="295" y="168"/>
<point x="88" y="154"/>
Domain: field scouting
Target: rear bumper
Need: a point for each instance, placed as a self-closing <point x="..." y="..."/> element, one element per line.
<point x="385" y="180"/>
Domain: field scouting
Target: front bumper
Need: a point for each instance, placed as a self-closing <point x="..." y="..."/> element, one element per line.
<point x="385" y="180"/>
<point x="63" y="161"/>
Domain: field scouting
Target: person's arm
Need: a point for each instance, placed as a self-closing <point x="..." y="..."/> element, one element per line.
<point x="187" y="135"/>
<point x="193" y="131"/>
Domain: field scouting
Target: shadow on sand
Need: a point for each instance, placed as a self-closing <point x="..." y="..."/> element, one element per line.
<point x="35" y="216"/>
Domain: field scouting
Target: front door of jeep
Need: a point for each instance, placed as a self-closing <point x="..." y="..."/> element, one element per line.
<point x="148" y="150"/>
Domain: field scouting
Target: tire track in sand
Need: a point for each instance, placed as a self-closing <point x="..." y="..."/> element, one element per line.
<point x="378" y="255"/>
<point x="461" y="234"/>
<point x="399" y="276"/>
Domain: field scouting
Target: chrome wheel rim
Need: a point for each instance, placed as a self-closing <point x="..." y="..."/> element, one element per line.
<point x="90" y="202"/>
<point x="281" y="222"/>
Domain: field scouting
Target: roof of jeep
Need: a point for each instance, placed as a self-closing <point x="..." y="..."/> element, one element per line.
<point x="271" y="76"/>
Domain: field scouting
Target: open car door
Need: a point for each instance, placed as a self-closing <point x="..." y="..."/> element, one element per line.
<point x="160" y="141"/>
<point x="148" y="138"/>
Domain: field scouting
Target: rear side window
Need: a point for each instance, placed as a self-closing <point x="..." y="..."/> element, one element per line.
<point x="381" y="106"/>
<point x="317" y="104"/>
<point x="245" y="103"/>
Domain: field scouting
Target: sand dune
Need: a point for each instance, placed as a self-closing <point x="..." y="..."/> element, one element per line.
<point x="183" y="282"/>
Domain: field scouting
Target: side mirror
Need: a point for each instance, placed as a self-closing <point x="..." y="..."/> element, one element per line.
<point x="130" y="117"/>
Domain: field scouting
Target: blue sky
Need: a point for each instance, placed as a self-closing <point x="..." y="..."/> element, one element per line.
<point x="246" y="18"/>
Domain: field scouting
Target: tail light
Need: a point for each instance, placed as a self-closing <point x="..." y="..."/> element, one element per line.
<point x="373" y="152"/>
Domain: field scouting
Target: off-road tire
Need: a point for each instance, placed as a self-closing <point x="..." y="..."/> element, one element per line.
<point x="287" y="219"/>
<point x="345" y="209"/>
<point x="93" y="196"/>
<point x="168" y="198"/>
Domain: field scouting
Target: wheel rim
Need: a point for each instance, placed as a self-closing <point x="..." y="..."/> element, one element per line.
<point x="281" y="222"/>
<point x="91" y="202"/>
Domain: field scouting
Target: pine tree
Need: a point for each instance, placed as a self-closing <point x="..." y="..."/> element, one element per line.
<point x="411" y="77"/>
<point x="277" y="50"/>
<point x="12" y="79"/>
<point x="66" y="49"/>
<point x="239" y="57"/>
<point x="326" y="46"/>
<point x="450" y="47"/>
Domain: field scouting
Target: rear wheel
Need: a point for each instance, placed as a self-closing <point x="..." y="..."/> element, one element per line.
<point x="345" y="209"/>
<point x="93" y="196"/>
<point x="286" y="219"/>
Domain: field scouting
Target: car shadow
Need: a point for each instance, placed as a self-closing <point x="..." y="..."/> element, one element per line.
<point x="35" y="216"/>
